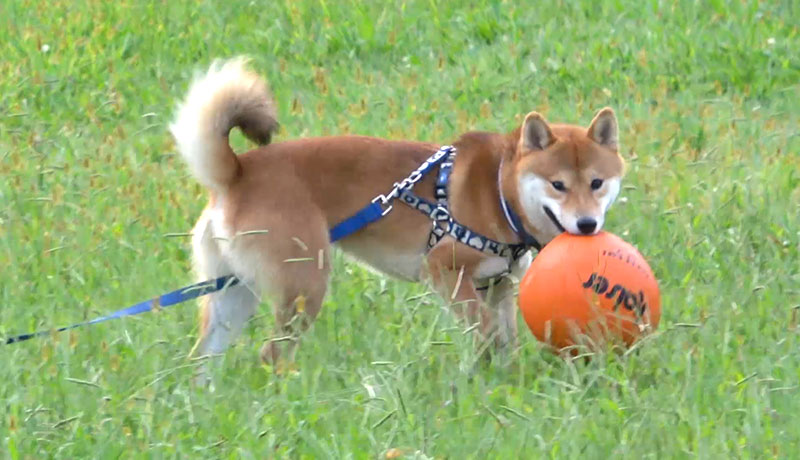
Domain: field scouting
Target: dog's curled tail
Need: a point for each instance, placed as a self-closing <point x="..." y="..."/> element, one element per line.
<point x="227" y="96"/>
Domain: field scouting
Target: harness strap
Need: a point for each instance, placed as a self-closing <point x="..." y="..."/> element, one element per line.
<point x="443" y="179"/>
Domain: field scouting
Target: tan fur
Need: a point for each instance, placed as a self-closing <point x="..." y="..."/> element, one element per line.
<point x="271" y="208"/>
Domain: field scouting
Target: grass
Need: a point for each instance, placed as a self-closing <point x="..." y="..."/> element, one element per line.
<point x="707" y="95"/>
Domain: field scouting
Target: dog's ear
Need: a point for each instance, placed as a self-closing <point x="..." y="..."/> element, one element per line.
<point x="604" y="130"/>
<point x="536" y="134"/>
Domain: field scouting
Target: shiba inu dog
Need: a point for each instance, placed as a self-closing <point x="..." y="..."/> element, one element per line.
<point x="270" y="209"/>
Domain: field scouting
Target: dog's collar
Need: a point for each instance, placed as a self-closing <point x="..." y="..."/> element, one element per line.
<point x="512" y="218"/>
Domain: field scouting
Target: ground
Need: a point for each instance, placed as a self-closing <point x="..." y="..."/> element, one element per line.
<point x="95" y="204"/>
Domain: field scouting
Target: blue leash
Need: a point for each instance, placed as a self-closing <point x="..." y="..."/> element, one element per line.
<point x="166" y="300"/>
<point x="376" y="209"/>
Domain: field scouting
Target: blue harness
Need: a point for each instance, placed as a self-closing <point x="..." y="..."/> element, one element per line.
<point x="443" y="225"/>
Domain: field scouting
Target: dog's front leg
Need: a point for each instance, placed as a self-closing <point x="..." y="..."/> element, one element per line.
<point x="500" y="298"/>
<point x="458" y="289"/>
<point x="451" y="276"/>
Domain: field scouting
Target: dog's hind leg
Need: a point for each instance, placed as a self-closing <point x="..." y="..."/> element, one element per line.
<point x="224" y="313"/>
<point x="295" y="309"/>
<point x="223" y="316"/>
<point x="299" y="280"/>
<point x="282" y="250"/>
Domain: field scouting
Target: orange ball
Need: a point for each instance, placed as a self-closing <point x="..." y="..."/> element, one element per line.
<point x="597" y="287"/>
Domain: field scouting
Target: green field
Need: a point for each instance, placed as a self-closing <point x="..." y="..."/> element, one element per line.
<point x="708" y="99"/>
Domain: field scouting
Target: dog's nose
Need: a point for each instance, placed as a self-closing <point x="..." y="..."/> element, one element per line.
<point x="587" y="225"/>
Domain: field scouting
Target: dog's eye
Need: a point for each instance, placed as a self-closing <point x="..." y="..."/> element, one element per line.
<point x="558" y="185"/>
<point x="597" y="183"/>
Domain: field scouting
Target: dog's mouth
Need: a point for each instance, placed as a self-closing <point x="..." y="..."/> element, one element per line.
<point x="553" y="219"/>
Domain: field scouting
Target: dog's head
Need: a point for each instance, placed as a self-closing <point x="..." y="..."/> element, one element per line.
<point x="567" y="176"/>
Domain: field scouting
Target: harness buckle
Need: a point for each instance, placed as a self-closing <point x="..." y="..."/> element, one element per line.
<point x="383" y="201"/>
